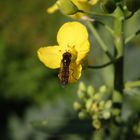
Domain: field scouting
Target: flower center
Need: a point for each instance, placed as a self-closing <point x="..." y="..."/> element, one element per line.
<point x="73" y="52"/>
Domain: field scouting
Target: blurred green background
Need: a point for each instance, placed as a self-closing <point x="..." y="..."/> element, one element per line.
<point x="28" y="90"/>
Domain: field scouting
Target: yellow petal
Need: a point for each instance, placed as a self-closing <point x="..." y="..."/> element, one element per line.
<point x="82" y="51"/>
<point x="51" y="56"/>
<point x="72" y="34"/>
<point x="75" y="72"/>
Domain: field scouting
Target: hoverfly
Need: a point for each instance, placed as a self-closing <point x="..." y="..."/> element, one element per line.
<point x="64" y="69"/>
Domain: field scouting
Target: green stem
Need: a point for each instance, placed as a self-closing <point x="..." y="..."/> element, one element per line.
<point x="132" y="84"/>
<point x="97" y="14"/>
<point x="131" y="14"/>
<point x="106" y="27"/>
<point x="103" y="65"/>
<point x="119" y="53"/>
<point x="129" y="38"/>
<point x="100" y="41"/>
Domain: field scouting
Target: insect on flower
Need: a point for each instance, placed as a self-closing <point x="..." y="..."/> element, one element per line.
<point x="64" y="68"/>
<point x="73" y="46"/>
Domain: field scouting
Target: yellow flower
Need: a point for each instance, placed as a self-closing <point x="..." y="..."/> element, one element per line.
<point x="72" y="38"/>
<point x="72" y="7"/>
<point x="84" y="5"/>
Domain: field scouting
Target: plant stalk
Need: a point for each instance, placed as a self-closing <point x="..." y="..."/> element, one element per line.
<point x="119" y="53"/>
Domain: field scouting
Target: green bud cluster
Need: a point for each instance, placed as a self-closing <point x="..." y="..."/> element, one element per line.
<point x="94" y="104"/>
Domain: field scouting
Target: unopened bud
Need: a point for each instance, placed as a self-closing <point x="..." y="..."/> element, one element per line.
<point x="101" y="105"/>
<point x="106" y="114"/>
<point x="82" y="86"/>
<point x="82" y="90"/>
<point x="81" y="94"/>
<point x="96" y="124"/>
<point x="103" y="89"/>
<point x="97" y="96"/>
<point x="52" y="9"/>
<point x="95" y="116"/>
<point x="77" y="106"/>
<point x="95" y="107"/>
<point x="108" y="104"/>
<point x="90" y="91"/>
<point x="82" y="115"/>
<point x="67" y="7"/>
<point x="89" y="103"/>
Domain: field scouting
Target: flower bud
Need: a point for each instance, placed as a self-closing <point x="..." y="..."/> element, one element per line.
<point x="82" y="86"/>
<point x="81" y="94"/>
<point x="103" y="89"/>
<point x="88" y="104"/>
<point x="67" y="7"/>
<point x="96" y="123"/>
<point x="108" y="104"/>
<point x="108" y="6"/>
<point x="95" y="107"/>
<point x="82" y="115"/>
<point x="90" y="91"/>
<point x="52" y="9"/>
<point x="84" y="6"/>
<point x="95" y="116"/>
<point x="77" y="106"/>
<point x="106" y="114"/>
<point x="97" y="96"/>
<point x="101" y="105"/>
<point x="82" y="90"/>
<point x="133" y="5"/>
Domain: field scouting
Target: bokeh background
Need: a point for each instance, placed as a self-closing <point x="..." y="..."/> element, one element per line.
<point x="30" y="93"/>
